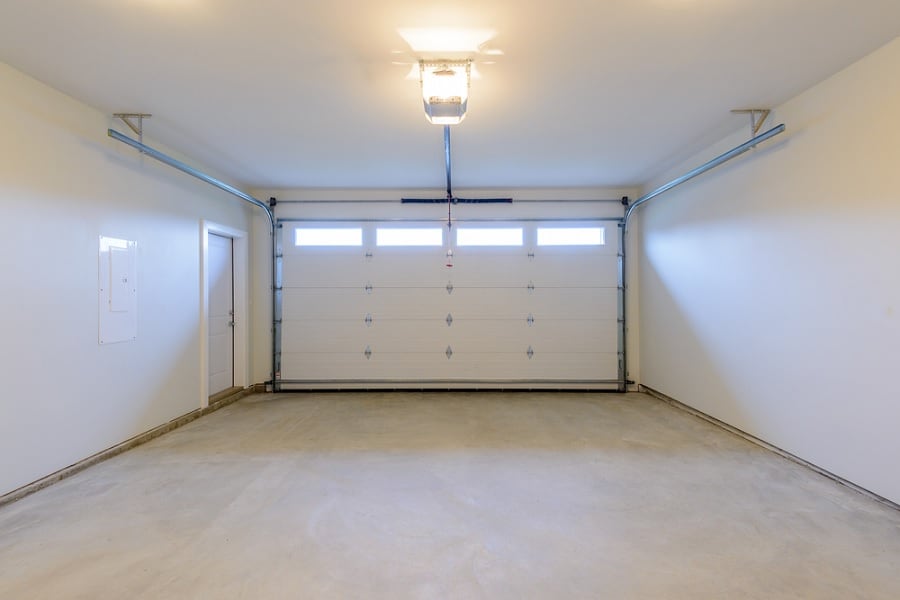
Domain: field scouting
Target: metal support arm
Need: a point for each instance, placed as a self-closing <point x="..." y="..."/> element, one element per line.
<point x="185" y="168"/>
<point x="722" y="158"/>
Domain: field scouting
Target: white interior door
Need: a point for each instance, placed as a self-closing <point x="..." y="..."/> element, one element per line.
<point x="220" y="271"/>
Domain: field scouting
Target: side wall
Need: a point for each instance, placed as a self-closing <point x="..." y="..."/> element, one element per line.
<point x="64" y="183"/>
<point x="770" y="287"/>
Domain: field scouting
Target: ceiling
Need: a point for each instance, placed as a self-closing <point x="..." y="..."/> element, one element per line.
<point x="306" y="93"/>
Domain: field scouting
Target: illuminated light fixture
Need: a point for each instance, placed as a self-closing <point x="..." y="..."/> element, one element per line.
<point x="445" y="90"/>
<point x="446" y="42"/>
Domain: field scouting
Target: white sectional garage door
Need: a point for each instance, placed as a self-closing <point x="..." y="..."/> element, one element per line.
<point x="372" y="303"/>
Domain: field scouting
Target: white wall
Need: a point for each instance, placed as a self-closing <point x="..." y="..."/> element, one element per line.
<point x="63" y="183"/>
<point x="770" y="288"/>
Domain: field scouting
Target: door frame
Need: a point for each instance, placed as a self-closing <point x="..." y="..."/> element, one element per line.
<point x="240" y="268"/>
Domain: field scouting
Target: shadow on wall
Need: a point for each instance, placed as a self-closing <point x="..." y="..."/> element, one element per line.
<point x="169" y="398"/>
<point x="698" y="350"/>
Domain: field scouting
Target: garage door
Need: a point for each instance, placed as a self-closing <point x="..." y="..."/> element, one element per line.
<point x="481" y="304"/>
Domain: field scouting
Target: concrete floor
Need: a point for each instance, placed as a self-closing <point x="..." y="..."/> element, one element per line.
<point x="449" y="495"/>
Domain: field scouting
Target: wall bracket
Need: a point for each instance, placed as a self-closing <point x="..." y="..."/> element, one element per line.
<point x="758" y="116"/>
<point x="137" y="128"/>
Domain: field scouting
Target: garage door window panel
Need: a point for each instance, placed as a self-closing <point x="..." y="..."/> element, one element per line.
<point x="489" y="236"/>
<point x="571" y="236"/>
<point x="328" y="237"/>
<point x="409" y="237"/>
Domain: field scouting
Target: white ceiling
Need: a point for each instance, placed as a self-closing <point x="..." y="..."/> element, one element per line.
<point x="304" y="93"/>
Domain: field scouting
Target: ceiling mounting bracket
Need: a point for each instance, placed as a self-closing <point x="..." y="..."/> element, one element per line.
<point x="758" y="116"/>
<point x="138" y="128"/>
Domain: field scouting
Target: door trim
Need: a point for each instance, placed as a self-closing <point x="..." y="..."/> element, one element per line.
<point x="240" y="265"/>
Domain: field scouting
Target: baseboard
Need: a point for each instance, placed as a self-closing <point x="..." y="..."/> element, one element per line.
<point x="216" y="403"/>
<point x="764" y="444"/>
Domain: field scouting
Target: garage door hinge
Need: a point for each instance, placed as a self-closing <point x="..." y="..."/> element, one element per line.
<point x="368" y="320"/>
<point x="530" y="320"/>
<point x="530" y="352"/>
<point x="449" y="319"/>
<point x="530" y="286"/>
<point x="449" y="288"/>
<point x="368" y="288"/>
<point x="449" y="352"/>
<point x="368" y="352"/>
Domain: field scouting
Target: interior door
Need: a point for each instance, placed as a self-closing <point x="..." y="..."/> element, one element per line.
<point x="220" y="272"/>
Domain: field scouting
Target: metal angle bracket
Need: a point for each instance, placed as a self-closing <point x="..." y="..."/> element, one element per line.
<point x="758" y="116"/>
<point x="137" y="128"/>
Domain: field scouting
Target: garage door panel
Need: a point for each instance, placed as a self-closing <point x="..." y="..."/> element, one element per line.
<point x="436" y="367"/>
<point x="326" y="335"/>
<point x="488" y="335"/>
<point x="421" y="303"/>
<point x="561" y="304"/>
<point x="400" y="366"/>
<point x="575" y="366"/>
<point x="409" y="268"/>
<point x="411" y="335"/>
<point x="521" y="301"/>
<point x="465" y="335"/>
<point x="562" y="271"/>
<point x="418" y="302"/>
<point x="335" y="335"/>
<point x="491" y="269"/>
<point x="576" y="302"/>
<point x="575" y="329"/>
<point x="309" y="303"/>
<point x="485" y="300"/>
<point x="324" y="269"/>
<point x="589" y="335"/>
<point x="380" y="302"/>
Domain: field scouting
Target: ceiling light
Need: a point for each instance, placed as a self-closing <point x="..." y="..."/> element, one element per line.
<point x="445" y="90"/>
<point x="446" y="42"/>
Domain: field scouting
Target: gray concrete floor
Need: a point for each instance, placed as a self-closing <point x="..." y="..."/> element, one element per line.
<point x="449" y="495"/>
